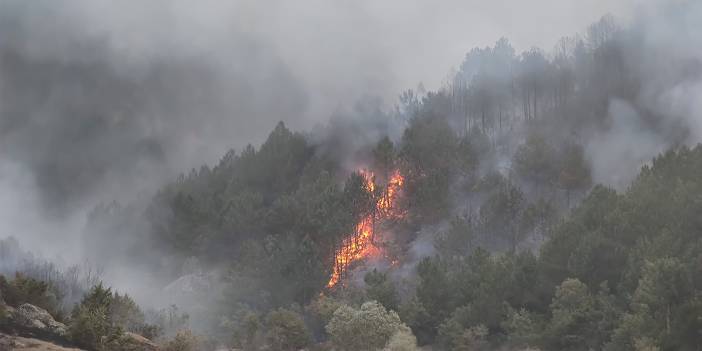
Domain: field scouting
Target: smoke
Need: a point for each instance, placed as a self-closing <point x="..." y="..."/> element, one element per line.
<point x="103" y="101"/>
<point x="92" y="109"/>
<point x="107" y="95"/>
<point x="666" y="111"/>
<point x="617" y="153"/>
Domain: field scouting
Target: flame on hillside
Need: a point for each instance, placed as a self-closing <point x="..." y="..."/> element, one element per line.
<point x="361" y="244"/>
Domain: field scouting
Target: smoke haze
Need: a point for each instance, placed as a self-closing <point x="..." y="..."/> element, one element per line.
<point x="98" y="96"/>
<point x="103" y="101"/>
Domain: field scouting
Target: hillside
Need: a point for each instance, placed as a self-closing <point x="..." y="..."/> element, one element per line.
<point x="536" y="200"/>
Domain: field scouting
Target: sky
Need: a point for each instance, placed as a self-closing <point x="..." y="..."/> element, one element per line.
<point x="338" y="50"/>
<point x="343" y="49"/>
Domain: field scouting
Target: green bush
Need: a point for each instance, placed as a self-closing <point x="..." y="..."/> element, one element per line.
<point x="367" y="328"/>
<point x="90" y="323"/>
<point x="380" y="288"/>
<point x="3" y="313"/>
<point x="99" y="321"/>
<point x="23" y="289"/>
<point x="184" y="340"/>
<point x="402" y="340"/>
<point x="286" y="330"/>
<point x="89" y="326"/>
<point x="125" y="313"/>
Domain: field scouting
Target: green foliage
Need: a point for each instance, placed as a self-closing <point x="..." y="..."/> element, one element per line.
<point x="126" y="314"/>
<point x="245" y="328"/>
<point x="655" y="306"/>
<point x="457" y="240"/>
<point x="286" y="331"/>
<point x="23" y="289"/>
<point x="605" y="276"/>
<point x="90" y="322"/>
<point x="429" y="148"/>
<point x="380" y="288"/>
<point x="3" y="313"/>
<point x="501" y="214"/>
<point x="366" y="329"/>
<point x="534" y="161"/>
<point x="574" y="171"/>
<point x="537" y="216"/>
<point x="579" y="245"/>
<point x="215" y="210"/>
<point x="102" y="317"/>
<point x="433" y="298"/>
<point x="469" y="151"/>
<point x="455" y="337"/>
<point x="323" y="308"/>
<point x="573" y="322"/>
<point x="184" y="340"/>
<point x="90" y="326"/>
<point x="384" y="156"/>
<point x="522" y="327"/>
<point x="418" y="319"/>
<point x="663" y="283"/>
<point x="402" y="340"/>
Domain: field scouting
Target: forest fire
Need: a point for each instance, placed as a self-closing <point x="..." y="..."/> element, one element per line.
<point x="362" y="244"/>
<point x="387" y="200"/>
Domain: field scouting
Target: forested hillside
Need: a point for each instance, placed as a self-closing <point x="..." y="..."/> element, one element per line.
<point x="502" y="211"/>
<point x="485" y="242"/>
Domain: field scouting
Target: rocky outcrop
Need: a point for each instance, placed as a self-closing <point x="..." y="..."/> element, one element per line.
<point x="138" y="342"/>
<point x="37" y="319"/>
<point x="190" y="285"/>
<point x="32" y="322"/>
<point x="29" y="327"/>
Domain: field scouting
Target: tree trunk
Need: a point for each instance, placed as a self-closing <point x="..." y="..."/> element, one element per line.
<point x="667" y="319"/>
<point x="534" y="116"/>
<point x="499" y="108"/>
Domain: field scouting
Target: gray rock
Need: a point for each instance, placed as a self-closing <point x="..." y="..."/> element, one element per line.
<point x="34" y="318"/>
<point x="140" y="343"/>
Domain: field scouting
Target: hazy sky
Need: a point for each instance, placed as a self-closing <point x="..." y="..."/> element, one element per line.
<point x="342" y="49"/>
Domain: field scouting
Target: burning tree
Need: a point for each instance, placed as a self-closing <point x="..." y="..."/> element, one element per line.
<point x="370" y="205"/>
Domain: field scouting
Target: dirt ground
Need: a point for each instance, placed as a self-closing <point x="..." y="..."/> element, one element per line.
<point x="16" y="343"/>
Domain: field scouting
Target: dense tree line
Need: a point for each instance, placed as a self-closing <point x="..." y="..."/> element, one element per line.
<point x="621" y="273"/>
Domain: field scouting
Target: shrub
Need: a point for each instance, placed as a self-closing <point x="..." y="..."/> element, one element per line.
<point x="402" y="340"/>
<point x="247" y="333"/>
<point x="367" y="328"/>
<point x="101" y="318"/>
<point x="22" y="290"/>
<point x="380" y="288"/>
<point x="184" y="340"/>
<point x="165" y="321"/>
<point x="318" y="313"/>
<point x="89" y="326"/>
<point x="125" y="313"/>
<point x="90" y="323"/>
<point x="3" y="313"/>
<point x="286" y="330"/>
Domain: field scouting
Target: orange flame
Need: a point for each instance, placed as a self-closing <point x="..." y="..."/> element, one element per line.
<point x="361" y="244"/>
<point x="387" y="200"/>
